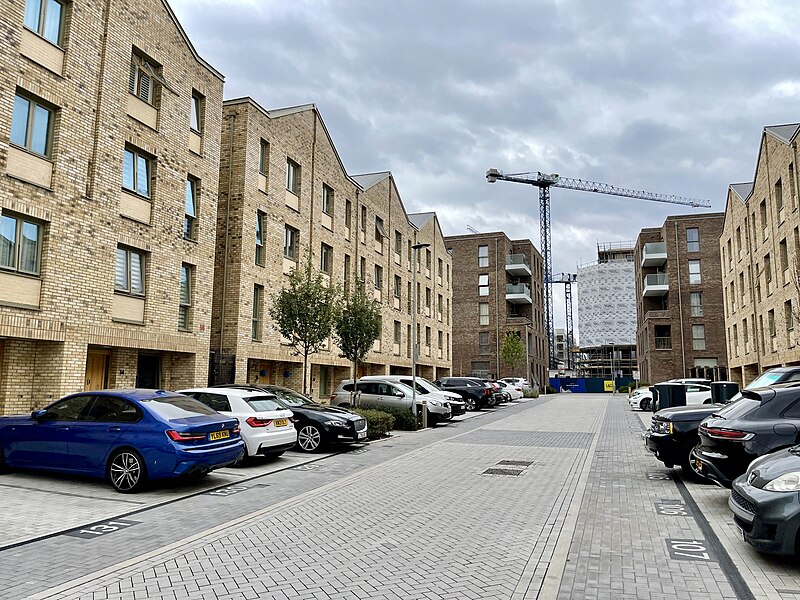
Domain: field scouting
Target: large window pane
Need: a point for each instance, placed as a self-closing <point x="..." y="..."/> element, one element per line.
<point x="143" y="176"/>
<point x="137" y="279"/>
<point x="52" y="22"/>
<point x="41" y="127"/>
<point x="29" y="248"/>
<point x="33" y="10"/>
<point x="190" y="198"/>
<point x="127" y="171"/>
<point x="19" y="120"/>
<point x="8" y="242"/>
<point x="121" y="272"/>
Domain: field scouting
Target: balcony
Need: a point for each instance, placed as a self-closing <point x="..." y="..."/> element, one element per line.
<point x="655" y="285"/>
<point x="663" y="343"/>
<point x="654" y="254"/>
<point x="518" y="265"/>
<point x="656" y="314"/>
<point x="518" y="293"/>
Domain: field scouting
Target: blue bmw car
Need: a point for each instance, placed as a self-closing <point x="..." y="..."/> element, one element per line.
<point x="129" y="437"/>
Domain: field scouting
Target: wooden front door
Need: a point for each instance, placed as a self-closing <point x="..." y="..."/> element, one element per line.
<point x="96" y="377"/>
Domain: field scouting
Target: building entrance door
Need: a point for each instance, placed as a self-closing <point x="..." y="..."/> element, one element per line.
<point x="148" y="371"/>
<point x="96" y="376"/>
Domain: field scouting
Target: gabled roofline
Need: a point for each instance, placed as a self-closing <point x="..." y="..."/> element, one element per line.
<point x="186" y="39"/>
<point x="292" y="110"/>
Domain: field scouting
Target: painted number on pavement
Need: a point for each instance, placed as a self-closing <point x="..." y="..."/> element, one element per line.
<point x="227" y="491"/>
<point x="100" y="529"/>
<point x="671" y="508"/>
<point x="689" y="550"/>
<point x="658" y="475"/>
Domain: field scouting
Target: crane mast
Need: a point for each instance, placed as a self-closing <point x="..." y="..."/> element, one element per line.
<point x="544" y="181"/>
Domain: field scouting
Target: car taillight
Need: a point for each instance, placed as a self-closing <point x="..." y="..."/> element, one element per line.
<point x="256" y="422"/>
<point x="486" y="392"/>
<point x="332" y="398"/>
<point x="180" y="436"/>
<point x="236" y="430"/>
<point x="725" y="434"/>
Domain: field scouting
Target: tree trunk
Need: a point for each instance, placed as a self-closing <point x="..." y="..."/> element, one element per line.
<point x="305" y="371"/>
<point x="355" y="384"/>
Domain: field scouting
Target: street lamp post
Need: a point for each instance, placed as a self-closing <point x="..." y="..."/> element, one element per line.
<point x="416" y="248"/>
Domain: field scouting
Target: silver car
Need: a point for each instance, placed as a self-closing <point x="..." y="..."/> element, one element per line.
<point x="388" y="394"/>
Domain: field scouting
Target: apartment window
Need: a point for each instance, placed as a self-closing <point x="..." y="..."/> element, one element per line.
<point x="348" y="213"/>
<point x="363" y="270"/>
<point x="787" y="311"/>
<point x="398" y="286"/>
<point x="129" y="274"/>
<point x="767" y="270"/>
<point x="364" y="219"/>
<point x="190" y="216"/>
<point x="440" y="305"/>
<point x="739" y="241"/>
<point x="380" y="233"/>
<point x="258" y="307"/>
<point x="744" y="334"/>
<point x="409" y="298"/>
<point x="408" y="341"/>
<point x="761" y="328"/>
<point x="45" y="17"/>
<point x="198" y="104"/>
<point x="409" y="254"/>
<point x="143" y="75"/>
<point x="186" y="297"/>
<point x="398" y="243"/>
<point x="483" y="313"/>
<point x="483" y="343"/>
<point x="347" y="272"/>
<point x="20" y="244"/>
<point x="260" y="254"/>
<point x="694" y="272"/>
<point x="428" y="260"/>
<point x="730" y="255"/>
<point x="483" y="256"/>
<point x="483" y="285"/>
<point x="292" y="177"/>
<point x="440" y="339"/>
<point x="32" y="126"/>
<point x="263" y="157"/>
<point x="779" y="195"/>
<point x="440" y="268"/>
<point x="693" y="240"/>
<point x="378" y="277"/>
<point x="784" y="253"/>
<point x="397" y="332"/>
<point x="698" y="337"/>
<point x="428" y="298"/>
<point x="427" y="336"/>
<point x="291" y="243"/>
<point x="326" y="259"/>
<point x="741" y="287"/>
<point x="763" y="209"/>
<point x="696" y="300"/>
<point x="663" y="337"/>
<point x="736" y="341"/>
<point x="327" y="199"/>
<point x="771" y="322"/>
<point x="136" y="172"/>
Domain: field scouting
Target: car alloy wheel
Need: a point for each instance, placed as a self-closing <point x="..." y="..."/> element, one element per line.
<point x="309" y="438"/>
<point x="644" y="404"/>
<point x="126" y="472"/>
<point x="469" y="403"/>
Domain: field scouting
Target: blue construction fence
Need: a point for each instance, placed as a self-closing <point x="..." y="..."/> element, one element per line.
<point x="590" y="385"/>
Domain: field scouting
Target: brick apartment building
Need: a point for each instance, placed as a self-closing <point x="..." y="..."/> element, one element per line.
<point x="497" y="287"/>
<point x="760" y="245"/>
<point x="680" y="321"/>
<point x="284" y="192"/>
<point x="109" y="140"/>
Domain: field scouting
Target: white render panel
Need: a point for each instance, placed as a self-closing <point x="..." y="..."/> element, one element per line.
<point x="607" y="304"/>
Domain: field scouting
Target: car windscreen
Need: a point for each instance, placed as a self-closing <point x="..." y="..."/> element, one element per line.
<point x="178" y="407"/>
<point x="737" y="409"/>
<point x="291" y="397"/>
<point x="765" y="380"/>
<point x="262" y="403"/>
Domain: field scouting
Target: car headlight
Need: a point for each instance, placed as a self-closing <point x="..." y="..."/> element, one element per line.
<point x="788" y="482"/>
<point x="434" y="402"/>
<point x="663" y="427"/>
<point x="334" y="423"/>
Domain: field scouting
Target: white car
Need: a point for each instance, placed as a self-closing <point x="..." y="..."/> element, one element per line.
<point x="519" y="382"/>
<point x="515" y="391"/>
<point x="696" y="393"/>
<point x="424" y="387"/>
<point x="266" y="427"/>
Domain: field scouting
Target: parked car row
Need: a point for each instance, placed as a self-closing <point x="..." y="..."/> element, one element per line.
<point x="751" y="445"/>
<point x="698" y="391"/>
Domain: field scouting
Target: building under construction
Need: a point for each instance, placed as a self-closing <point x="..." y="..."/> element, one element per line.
<point x="607" y="313"/>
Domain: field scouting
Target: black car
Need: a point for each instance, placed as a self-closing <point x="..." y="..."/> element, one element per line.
<point x="766" y="504"/>
<point x="317" y="424"/>
<point x="475" y="393"/>
<point x="762" y="421"/>
<point x="674" y="432"/>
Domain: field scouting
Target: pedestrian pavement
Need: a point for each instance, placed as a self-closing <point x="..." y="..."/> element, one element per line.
<point x="551" y="498"/>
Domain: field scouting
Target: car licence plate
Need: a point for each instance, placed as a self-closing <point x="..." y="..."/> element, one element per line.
<point x="219" y="435"/>
<point x="362" y="435"/>
<point x="281" y="422"/>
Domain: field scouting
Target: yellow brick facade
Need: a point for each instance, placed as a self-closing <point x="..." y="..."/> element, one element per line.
<point x="252" y="189"/>
<point x="65" y="328"/>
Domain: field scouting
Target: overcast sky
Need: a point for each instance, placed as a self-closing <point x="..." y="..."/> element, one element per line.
<point x="661" y="95"/>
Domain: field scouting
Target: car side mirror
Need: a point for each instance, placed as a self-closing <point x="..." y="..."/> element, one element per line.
<point x="38" y="414"/>
<point x="400" y="394"/>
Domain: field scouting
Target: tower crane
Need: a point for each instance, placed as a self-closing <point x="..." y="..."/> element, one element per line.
<point x="568" y="279"/>
<point x="544" y="182"/>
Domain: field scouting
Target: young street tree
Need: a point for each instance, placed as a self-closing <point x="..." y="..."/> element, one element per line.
<point x="305" y="311"/>
<point x="358" y="326"/>
<point x="512" y="352"/>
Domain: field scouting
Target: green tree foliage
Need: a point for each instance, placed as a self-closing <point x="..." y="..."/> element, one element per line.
<point x="357" y="326"/>
<point x="512" y="352"/>
<point x="305" y="311"/>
